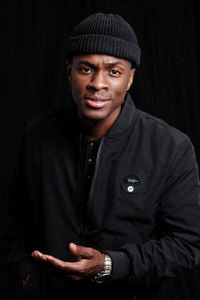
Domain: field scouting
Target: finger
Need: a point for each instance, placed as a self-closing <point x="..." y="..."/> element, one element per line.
<point x="74" y="249"/>
<point x="74" y="277"/>
<point x="48" y="259"/>
<point x="80" y="251"/>
<point x="54" y="261"/>
<point x="38" y="255"/>
<point x="66" y="266"/>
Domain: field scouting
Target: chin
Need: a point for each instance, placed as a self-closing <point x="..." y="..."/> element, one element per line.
<point x="94" y="118"/>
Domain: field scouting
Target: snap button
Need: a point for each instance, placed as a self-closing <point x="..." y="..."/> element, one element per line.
<point x="130" y="188"/>
<point x="90" y="160"/>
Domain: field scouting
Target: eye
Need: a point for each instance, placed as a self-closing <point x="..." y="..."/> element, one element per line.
<point x="115" y="72"/>
<point x="85" y="70"/>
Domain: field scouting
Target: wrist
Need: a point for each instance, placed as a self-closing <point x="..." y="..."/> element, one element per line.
<point x="105" y="274"/>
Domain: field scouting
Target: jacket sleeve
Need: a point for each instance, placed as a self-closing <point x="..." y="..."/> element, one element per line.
<point x="177" y="247"/>
<point x="17" y="215"/>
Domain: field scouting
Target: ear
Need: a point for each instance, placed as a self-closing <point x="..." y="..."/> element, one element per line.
<point x="131" y="76"/>
<point x="69" y="68"/>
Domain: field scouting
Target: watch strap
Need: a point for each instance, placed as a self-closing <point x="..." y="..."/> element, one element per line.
<point x="106" y="272"/>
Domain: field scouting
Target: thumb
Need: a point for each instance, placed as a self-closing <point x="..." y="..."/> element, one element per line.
<point x="80" y="251"/>
<point x="74" y="249"/>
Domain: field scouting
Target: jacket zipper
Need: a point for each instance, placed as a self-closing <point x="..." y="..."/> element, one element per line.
<point x="84" y="226"/>
<point x="94" y="177"/>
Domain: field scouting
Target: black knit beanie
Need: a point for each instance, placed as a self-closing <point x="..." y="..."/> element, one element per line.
<point x="104" y="34"/>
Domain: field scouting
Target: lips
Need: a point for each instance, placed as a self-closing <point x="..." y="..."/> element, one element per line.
<point x="96" y="102"/>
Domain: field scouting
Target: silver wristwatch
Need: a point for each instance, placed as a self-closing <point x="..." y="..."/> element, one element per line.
<point x="106" y="272"/>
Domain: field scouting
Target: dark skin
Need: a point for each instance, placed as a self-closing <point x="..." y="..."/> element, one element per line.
<point x="89" y="263"/>
<point x="99" y="84"/>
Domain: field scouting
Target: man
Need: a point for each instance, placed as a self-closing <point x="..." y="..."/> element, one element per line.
<point x="106" y="198"/>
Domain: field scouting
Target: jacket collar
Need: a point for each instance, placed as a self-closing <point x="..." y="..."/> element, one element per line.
<point x="125" y="119"/>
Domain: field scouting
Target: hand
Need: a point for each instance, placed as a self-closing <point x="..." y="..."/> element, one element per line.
<point x="26" y="280"/>
<point x="90" y="262"/>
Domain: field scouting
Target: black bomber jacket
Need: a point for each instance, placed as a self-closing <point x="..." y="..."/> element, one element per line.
<point x="143" y="207"/>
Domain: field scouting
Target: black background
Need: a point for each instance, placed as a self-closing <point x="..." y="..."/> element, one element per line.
<point x="167" y="84"/>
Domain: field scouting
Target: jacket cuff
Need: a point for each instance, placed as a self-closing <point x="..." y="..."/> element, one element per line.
<point x="120" y="264"/>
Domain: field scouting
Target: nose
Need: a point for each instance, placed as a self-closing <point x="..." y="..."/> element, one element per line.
<point x="98" y="81"/>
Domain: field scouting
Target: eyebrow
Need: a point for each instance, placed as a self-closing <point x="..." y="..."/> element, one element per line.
<point x="109" y="65"/>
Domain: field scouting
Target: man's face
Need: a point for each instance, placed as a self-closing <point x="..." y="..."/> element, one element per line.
<point x="99" y="84"/>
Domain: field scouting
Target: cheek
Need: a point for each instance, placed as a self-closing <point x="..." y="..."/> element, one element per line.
<point x="120" y="87"/>
<point x="77" y="87"/>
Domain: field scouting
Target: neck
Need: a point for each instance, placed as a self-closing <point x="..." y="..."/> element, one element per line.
<point x="96" y="129"/>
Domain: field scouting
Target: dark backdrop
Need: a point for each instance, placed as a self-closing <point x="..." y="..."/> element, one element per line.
<point x="32" y="63"/>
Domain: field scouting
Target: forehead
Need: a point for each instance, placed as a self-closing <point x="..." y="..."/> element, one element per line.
<point x="101" y="59"/>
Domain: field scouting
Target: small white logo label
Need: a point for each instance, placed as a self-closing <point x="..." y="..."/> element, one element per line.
<point x="130" y="188"/>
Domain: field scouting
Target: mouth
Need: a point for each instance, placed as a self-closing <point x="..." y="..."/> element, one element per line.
<point x="96" y="102"/>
